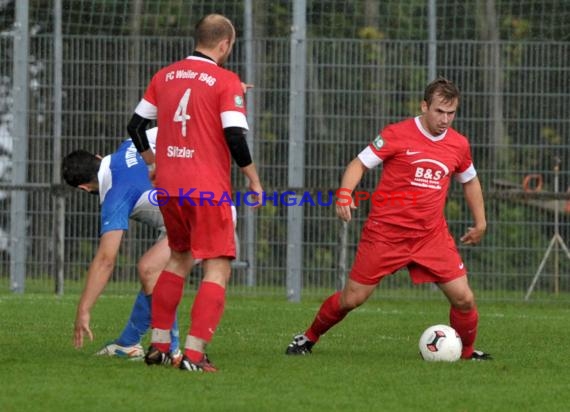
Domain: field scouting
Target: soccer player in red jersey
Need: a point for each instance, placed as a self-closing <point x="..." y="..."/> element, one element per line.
<point x="419" y="157"/>
<point x="200" y="110"/>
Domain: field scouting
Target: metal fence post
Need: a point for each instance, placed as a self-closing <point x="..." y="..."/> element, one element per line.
<point x="18" y="204"/>
<point x="250" y="226"/>
<point x="296" y="172"/>
<point x="432" y="40"/>
<point x="58" y="199"/>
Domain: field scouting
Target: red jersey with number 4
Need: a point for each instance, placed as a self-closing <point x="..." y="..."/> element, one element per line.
<point x="193" y="100"/>
<point x="417" y="171"/>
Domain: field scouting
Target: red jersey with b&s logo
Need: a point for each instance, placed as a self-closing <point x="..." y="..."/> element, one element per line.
<point x="193" y="100"/>
<point x="417" y="171"/>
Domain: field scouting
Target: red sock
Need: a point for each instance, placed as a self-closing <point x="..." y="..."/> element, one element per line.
<point x="465" y="323"/>
<point x="193" y="355"/>
<point x="166" y="296"/>
<point x="207" y="310"/>
<point x="328" y="315"/>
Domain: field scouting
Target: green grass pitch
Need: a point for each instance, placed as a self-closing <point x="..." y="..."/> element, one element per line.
<point x="369" y="362"/>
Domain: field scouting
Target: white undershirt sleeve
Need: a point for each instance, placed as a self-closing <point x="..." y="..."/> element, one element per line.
<point x="146" y="110"/>
<point x="234" y="119"/>
<point x="469" y="174"/>
<point x="369" y="158"/>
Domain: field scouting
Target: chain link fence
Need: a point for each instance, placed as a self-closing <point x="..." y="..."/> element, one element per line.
<point x="364" y="65"/>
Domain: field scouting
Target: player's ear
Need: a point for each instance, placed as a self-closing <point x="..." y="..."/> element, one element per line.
<point x="85" y="188"/>
<point x="225" y="45"/>
<point x="424" y="106"/>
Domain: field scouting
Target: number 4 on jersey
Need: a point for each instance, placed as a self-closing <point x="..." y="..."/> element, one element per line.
<point x="181" y="114"/>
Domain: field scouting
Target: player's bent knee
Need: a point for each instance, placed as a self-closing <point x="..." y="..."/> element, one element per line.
<point x="147" y="273"/>
<point x="352" y="301"/>
<point x="355" y="294"/>
<point x="465" y="301"/>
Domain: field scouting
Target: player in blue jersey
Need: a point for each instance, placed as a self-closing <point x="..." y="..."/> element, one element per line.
<point x="121" y="180"/>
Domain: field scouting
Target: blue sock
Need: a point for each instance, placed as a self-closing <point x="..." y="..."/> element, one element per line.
<point x="174" y="336"/>
<point x="138" y="322"/>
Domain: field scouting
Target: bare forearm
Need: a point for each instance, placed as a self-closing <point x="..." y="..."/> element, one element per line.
<point x="352" y="175"/>
<point x="350" y="179"/>
<point x="254" y="183"/>
<point x="98" y="275"/>
<point x="474" y="198"/>
<point x="148" y="156"/>
<point x="250" y="172"/>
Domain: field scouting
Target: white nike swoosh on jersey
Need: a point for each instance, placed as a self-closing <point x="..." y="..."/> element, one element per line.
<point x="410" y="153"/>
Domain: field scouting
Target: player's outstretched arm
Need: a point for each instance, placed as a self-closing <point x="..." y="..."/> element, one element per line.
<point x="250" y="172"/>
<point x="98" y="275"/>
<point x="351" y="178"/>
<point x="237" y="144"/>
<point x="474" y="198"/>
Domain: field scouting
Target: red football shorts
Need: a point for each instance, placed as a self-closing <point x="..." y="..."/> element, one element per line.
<point x="206" y="230"/>
<point x="431" y="257"/>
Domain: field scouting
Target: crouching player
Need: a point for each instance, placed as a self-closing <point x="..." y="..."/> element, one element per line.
<point x="122" y="183"/>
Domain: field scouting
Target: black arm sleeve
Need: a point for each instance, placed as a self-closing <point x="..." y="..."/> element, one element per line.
<point x="235" y="137"/>
<point x="137" y="130"/>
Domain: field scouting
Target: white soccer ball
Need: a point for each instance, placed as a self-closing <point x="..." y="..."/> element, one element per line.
<point x="440" y="343"/>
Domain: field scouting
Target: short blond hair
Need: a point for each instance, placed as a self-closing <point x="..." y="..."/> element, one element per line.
<point x="212" y="29"/>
